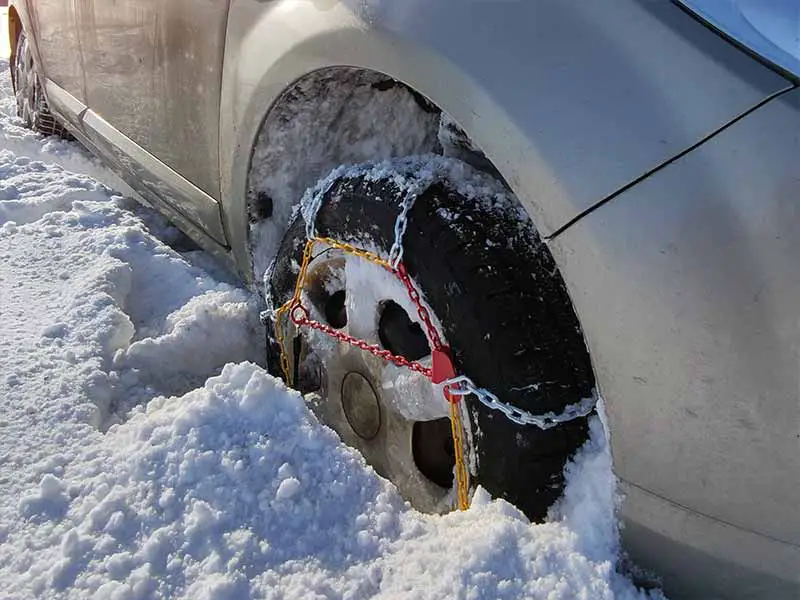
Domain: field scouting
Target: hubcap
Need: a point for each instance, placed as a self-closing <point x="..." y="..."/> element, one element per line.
<point x="25" y="77"/>
<point x="360" y="405"/>
<point x="393" y="416"/>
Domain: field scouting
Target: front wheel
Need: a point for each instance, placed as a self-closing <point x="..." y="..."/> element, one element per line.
<point x="496" y="297"/>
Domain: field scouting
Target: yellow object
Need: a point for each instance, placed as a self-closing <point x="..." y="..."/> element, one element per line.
<point x="462" y="474"/>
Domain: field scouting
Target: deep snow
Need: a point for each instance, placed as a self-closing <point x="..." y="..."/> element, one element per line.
<point x="136" y="463"/>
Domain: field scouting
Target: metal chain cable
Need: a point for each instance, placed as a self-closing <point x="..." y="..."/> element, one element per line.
<point x="464" y="386"/>
<point x="295" y="300"/>
<point x="300" y="317"/>
<point x="423" y="313"/>
<point x="454" y="387"/>
<point x="400" y="226"/>
<point x="457" y="431"/>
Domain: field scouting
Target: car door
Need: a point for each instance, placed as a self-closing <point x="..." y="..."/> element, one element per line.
<point x="153" y="73"/>
<point x="55" y="31"/>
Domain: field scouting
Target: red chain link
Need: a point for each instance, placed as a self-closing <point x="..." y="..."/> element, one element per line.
<point x="371" y="348"/>
<point x="424" y="315"/>
<point x="300" y="317"/>
<point x="441" y="371"/>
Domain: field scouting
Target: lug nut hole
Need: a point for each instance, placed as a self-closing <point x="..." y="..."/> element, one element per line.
<point x="434" y="455"/>
<point x="400" y="335"/>
<point x="335" y="310"/>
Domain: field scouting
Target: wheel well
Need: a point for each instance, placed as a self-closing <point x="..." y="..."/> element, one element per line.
<point x="14" y="30"/>
<point x="332" y="117"/>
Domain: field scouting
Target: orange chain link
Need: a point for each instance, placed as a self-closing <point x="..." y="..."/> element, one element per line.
<point x="300" y="316"/>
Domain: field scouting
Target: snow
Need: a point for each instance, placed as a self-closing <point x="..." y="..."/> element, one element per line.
<point x="144" y="453"/>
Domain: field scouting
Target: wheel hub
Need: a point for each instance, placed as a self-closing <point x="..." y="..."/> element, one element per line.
<point x="393" y="416"/>
<point x="360" y="405"/>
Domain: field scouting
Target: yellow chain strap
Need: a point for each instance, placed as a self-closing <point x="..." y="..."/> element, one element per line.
<point x="462" y="474"/>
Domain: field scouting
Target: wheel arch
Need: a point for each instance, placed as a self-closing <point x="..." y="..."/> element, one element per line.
<point x="331" y="116"/>
<point x="14" y="30"/>
<point x="255" y="96"/>
<point x="21" y="18"/>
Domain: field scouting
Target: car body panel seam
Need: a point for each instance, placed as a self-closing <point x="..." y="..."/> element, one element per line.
<point x="647" y="174"/>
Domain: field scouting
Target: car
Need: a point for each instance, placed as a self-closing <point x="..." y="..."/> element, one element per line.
<point x="554" y="201"/>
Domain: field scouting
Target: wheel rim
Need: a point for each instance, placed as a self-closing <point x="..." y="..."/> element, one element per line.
<point x="395" y="417"/>
<point x="25" y="77"/>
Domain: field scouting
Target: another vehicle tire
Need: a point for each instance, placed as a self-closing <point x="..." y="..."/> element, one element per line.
<point x="503" y="309"/>
<point x="31" y="104"/>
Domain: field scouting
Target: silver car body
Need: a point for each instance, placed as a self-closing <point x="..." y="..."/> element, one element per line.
<point x="661" y="162"/>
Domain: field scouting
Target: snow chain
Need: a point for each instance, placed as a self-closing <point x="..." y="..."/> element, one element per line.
<point x="442" y="370"/>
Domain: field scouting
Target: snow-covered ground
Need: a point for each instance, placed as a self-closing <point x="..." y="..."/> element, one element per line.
<point x="144" y="453"/>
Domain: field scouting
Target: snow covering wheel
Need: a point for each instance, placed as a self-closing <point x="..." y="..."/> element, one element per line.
<point x="31" y="104"/>
<point x="499" y="302"/>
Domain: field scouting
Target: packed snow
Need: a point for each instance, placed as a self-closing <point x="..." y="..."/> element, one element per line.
<point x="145" y="453"/>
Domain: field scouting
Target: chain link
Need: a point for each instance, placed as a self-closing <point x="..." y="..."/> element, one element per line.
<point x="457" y="431"/>
<point x="350" y="249"/>
<point x="463" y="386"/>
<point x="416" y="299"/>
<point x="300" y="317"/>
<point x="279" y="338"/>
<point x="400" y="226"/>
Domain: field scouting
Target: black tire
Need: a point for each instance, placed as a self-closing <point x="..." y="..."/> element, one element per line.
<point x="505" y="311"/>
<point x="31" y="104"/>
